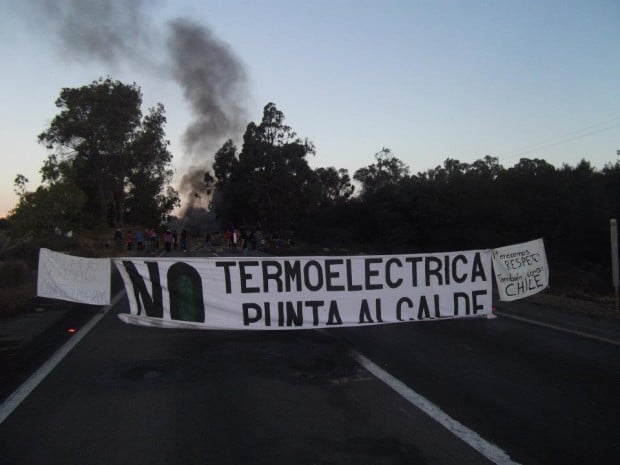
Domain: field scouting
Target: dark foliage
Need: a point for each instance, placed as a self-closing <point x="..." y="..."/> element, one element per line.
<point x="461" y="206"/>
<point x="456" y="206"/>
<point x="110" y="164"/>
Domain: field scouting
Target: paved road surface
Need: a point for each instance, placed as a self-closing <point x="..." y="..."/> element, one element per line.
<point x="148" y="396"/>
<point x="136" y="395"/>
<point x="544" y="396"/>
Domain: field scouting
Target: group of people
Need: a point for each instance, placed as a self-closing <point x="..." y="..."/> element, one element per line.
<point x="149" y="241"/>
<point x="240" y="240"/>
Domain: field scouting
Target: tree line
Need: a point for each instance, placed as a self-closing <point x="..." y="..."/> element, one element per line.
<point x="110" y="165"/>
<point x="454" y="206"/>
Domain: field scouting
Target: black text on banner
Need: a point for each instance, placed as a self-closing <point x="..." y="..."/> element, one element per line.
<point x="306" y="292"/>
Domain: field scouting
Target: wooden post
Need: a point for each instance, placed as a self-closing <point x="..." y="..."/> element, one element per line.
<point x="613" y="228"/>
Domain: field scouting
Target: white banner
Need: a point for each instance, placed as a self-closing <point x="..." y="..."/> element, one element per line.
<point x="521" y="270"/>
<point x="305" y="292"/>
<point x="76" y="279"/>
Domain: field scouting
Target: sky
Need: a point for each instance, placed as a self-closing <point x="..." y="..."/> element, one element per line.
<point x="430" y="80"/>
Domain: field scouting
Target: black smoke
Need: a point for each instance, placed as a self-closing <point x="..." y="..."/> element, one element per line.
<point x="213" y="79"/>
<point x="104" y="30"/>
<point x="214" y="83"/>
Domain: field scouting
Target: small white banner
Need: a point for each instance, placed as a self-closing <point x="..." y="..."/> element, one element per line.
<point x="305" y="292"/>
<point x="521" y="270"/>
<point x="76" y="279"/>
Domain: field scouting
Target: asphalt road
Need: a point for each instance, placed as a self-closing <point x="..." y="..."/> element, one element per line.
<point x="137" y="395"/>
<point x="128" y="394"/>
<point x="543" y="396"/>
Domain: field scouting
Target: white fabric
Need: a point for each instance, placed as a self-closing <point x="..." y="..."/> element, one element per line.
<point x="76" y="279"/>
<point x="521" y="270"/>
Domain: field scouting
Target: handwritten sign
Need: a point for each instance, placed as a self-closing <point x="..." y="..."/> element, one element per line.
<point x="521" y="270"/>
<point x="76" y="279"/>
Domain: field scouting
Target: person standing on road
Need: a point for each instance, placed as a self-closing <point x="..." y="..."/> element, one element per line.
<point x="153" y="240"/>
<point x="175" y="239"/>
<point x="168" y="240"/>
<point x="129" y="240"/>
<point x="243" y="242"/>
<point x="228" y="237"/>
<point x="184" y="240"/>
<point x="252" y="239"/>
<point x="118" y="239"/>
<point x="147" y="240"/>
<point x="235" y="238"/>
<point x="208" y="245"/>
<point x="139" y="240"/>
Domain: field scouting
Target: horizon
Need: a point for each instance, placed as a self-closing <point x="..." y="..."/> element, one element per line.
<point x="429" y="81"/>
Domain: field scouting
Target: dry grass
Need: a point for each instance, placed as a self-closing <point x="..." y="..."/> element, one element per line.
<point x="593" y="306"/>
<point x="18" y="298"/>
<point x="19" y="261"/>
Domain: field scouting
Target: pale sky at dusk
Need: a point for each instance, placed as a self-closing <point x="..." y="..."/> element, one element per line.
<point x="428" y="79"/>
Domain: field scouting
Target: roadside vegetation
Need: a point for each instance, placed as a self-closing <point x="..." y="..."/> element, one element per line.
<point x="386" y="208"/>
<point x="19" y="262"/>
<point x="109" y="167"/>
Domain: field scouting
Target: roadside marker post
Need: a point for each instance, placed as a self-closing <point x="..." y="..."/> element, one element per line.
<point x="613" y="228"/>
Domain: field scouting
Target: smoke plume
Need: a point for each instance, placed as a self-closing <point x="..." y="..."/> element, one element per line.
<point x="104" y="30"/>
<point x="213" y="79"/>
<point x="214" y="83"/>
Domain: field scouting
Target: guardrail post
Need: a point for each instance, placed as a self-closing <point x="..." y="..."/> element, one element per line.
<point x="613" y="228"/>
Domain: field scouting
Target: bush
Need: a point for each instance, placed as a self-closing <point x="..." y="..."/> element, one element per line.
<point x="13" y="272"/>
<point x="17" y="286"/>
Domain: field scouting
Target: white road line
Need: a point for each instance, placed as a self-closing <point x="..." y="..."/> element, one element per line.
<point x="20" y="394"/>
<point x="559" y="328"/>
<point x="473" y="439"/>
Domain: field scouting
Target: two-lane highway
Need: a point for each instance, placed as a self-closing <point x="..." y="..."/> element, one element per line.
<point x="129" y="394"/>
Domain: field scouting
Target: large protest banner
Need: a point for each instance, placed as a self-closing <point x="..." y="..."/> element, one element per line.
<point x="76" y="279"/>
<point x="305" y="292"/>
<point x="521" y="270"/>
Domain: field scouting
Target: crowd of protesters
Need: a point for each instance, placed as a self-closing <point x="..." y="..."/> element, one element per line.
<point x="240" y="240"/>
<point x="151" y="241"/>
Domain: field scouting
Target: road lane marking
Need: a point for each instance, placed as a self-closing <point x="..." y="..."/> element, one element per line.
<point x="559" y="328"/>
<point x="22" y="392"/>
<point x="470" y="437"/>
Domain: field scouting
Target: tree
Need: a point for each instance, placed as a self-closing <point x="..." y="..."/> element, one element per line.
<point x="273" y="159"/>
<point x="47" y="210"/>
<point x="149" y="196"/>
<point x="487" y="168"/>
<point x="269" y="182"/>
<point x="387" y="171"/>
<point x="225" y="202"/>
<point x="334" y="185"/>
<point x="536" y="199"/>
<point x="103" y="146"/>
